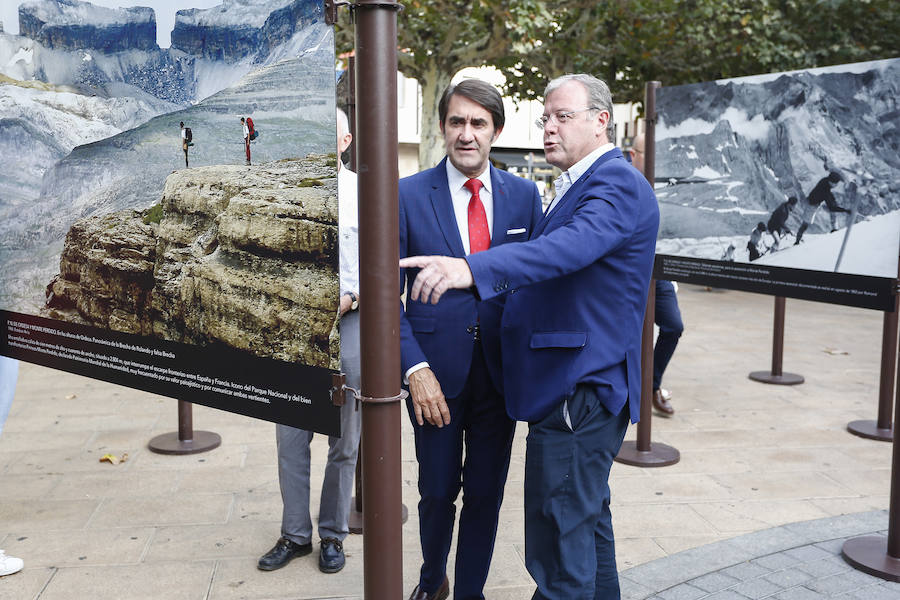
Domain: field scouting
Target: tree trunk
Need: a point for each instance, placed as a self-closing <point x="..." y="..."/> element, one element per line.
<point x="431" y="142"/>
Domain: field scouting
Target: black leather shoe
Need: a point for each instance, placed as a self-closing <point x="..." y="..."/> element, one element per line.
<point x="331" y="555"/>
<point x="662" y="405"/>
<point x="282" y="553"/>
<point x="442" y="593"/>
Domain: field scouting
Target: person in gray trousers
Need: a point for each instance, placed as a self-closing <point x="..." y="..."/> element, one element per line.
<point x="293" y="443"/>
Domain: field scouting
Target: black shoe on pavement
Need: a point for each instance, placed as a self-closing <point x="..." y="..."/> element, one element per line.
<point x="282" y="553"/>
<point x="662" y="405"/>
<point x="331" y="555"/>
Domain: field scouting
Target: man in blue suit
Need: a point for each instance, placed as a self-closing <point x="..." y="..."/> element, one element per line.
<point x="571" y="335"/>
<point x="450" y="351"/>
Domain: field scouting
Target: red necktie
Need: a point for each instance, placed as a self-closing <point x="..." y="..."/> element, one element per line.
<point x="479" y="235"/>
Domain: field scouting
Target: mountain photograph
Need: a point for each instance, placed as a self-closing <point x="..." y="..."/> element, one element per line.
<point x="797" y="169"/>
<point x="90" y="107"/>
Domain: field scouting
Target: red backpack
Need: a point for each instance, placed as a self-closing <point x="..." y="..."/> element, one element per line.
<point x="250" y="128"/>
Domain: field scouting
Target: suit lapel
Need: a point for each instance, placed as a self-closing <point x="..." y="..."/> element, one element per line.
<point x="502" y="210"/>
<point x="443" y="209"/>
<point x="573" y="192"/>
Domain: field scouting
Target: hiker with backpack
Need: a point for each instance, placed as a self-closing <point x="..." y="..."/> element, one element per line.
<point x="250" y="133"/>
<point x="186" y="140"/>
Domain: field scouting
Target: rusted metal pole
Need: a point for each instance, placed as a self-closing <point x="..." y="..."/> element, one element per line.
<point x="185" y="421"/>
<point x="888" y="360"/>
<point x="186" y="440"/>
<point x="376" y="126"/>
<point x="778" y="337"/>
<point x="873" y="554"/>
<point x="893" y="543"/>
<point x="645" y="424"/>
<point x="777" y="374"/>
<point x="882" y="428"/>
<point x="642" y="452"/>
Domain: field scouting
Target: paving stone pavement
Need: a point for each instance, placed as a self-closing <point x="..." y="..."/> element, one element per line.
<point x="791" y="562"/>
<point x="768" y="485"/>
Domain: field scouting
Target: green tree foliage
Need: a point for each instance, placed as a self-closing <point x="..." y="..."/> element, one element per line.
<point x="629" y="42"/>
<point x="438" y="38"/>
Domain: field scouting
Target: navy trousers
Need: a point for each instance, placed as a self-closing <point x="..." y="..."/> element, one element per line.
<point x="478" y="420"/>
<point x="569" y="548"/>
<point x="668" y="318"/>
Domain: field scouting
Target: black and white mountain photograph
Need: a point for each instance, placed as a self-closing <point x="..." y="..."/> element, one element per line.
<point x="798" y="169"/>
<point x="111" y="218"/>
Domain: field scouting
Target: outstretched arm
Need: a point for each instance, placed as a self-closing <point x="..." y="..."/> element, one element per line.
<point x="601" y="222"/>
<point x="437" y="275"/>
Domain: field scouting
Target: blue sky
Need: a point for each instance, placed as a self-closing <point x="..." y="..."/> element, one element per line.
<point x="165" y="13"/>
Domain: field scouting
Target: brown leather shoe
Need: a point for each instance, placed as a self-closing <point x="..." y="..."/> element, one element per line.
<point x="662" y="405"/>
<point x="442" y="593"/>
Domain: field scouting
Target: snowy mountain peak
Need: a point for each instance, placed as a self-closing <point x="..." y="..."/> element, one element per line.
<point x="231" y="13"/>
<point x="75" y="12"/>
<point x="240" y="29"/>
<point x="73" y="25"/>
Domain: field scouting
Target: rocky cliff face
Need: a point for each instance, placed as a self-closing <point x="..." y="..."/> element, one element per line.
<point x="76" y="25"/>
<point x="235" y="30"/>
<point x="242" y="256"/>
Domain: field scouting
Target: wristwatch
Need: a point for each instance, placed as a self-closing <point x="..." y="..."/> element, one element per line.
<point x="354" y="300"/>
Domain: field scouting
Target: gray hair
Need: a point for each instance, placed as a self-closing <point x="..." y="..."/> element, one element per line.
<point x="597" y="90"/>
<point x="343" y="123"/>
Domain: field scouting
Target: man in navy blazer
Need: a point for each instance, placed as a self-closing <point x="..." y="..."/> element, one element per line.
<point x="576" y="293"/>
<point x="449" y="351"/>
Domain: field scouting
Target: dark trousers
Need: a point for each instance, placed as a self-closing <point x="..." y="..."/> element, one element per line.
<point x="668" y="318"/>
<point x="477" y="419"/>
<point x="569" y="548"/>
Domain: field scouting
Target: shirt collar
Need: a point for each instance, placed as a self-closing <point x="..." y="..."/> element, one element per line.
<point x="456" y="180"/>
<point x="577" y="170"/>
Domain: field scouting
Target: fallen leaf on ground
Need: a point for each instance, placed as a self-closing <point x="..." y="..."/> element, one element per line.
<point x="71" y="397"/>
<point x="113" y="459"/>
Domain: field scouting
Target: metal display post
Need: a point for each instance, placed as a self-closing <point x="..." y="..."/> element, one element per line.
<point x="881" y="429"/>
<point x="642" y="453"/>
<point x="376" y="127"/>
<point x="874" y="554"/>
<point x="776" y="375"/>
<point x="355" y="519"/>
<point x="185" y="440"/>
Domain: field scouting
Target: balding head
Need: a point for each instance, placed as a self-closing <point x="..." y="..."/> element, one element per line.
<point x="637" y="152"/>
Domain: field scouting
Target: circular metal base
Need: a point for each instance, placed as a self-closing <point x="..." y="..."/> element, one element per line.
<point x="356" y="517"/>
<point x="659" y="455"/>
<point x="168" y="443"/>
<point x="869" y="555"/>
<point x="870" y="430"/>
<point x="783" y="379"/>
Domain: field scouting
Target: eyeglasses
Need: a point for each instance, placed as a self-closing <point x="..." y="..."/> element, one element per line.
<point x="561" y="117"/>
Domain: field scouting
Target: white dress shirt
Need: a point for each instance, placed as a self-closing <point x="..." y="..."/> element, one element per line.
<point x="574" y="173"/>
<point x="348" y="230"/>
<point x="460" y="196"/>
